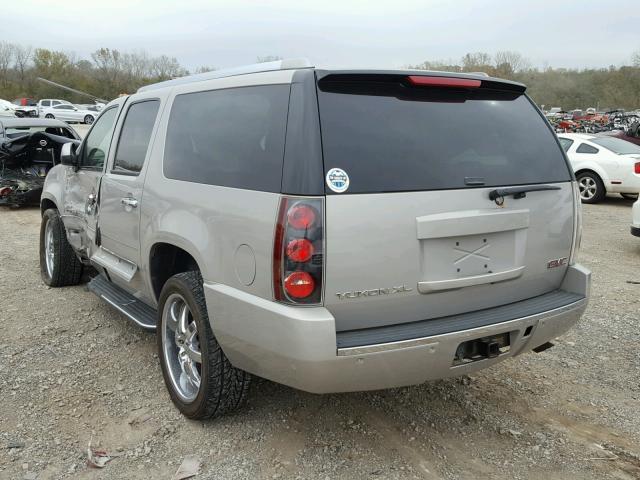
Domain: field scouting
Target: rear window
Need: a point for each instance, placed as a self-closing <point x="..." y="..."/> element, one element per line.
<point x="616" y="145"/>
<point x="392" y="137"/>
<point x="232" y="137"/>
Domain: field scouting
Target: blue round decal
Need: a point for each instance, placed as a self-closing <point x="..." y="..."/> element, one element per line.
<point x="337" y="180"/>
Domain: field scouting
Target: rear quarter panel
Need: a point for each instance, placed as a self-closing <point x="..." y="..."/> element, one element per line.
<point x="208" y="221"/>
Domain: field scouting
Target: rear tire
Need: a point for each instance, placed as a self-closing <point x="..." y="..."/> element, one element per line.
<point x="201" y="381"/>
<point x="49" y="115"/>
<point x="59" y="264"/>
<point x="591" y="187"/>
<point x="88" y="120"/>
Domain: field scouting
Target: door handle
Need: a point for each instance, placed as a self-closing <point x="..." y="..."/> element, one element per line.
<point x="129" y="202"/>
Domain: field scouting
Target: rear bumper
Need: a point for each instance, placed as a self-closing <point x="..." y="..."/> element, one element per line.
<point x="298" y="346"/>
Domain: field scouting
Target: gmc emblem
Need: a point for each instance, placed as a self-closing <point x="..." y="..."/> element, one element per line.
<point x="557" y="262"/>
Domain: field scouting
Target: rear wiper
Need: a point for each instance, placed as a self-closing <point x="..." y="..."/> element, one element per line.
<point x="498" y="194"/>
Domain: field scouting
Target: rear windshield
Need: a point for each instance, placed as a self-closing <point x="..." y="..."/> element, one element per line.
<point x="393" y="137"/>
<point x="616" y="145"/>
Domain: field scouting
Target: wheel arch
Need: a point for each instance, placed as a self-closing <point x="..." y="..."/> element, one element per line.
<point x="46" y="203"/>
<point x="167" y="259"/>
<point x="597" y="171"/>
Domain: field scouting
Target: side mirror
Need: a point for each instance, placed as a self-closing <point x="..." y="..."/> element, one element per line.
<point x="68" y="154"/>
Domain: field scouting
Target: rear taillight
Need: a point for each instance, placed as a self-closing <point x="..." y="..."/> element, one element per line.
<point x="636" y="168"/>
<point x="298" y="250"/>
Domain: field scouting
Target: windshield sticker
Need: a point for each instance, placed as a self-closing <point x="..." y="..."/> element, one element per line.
<point x="337" y="180"/>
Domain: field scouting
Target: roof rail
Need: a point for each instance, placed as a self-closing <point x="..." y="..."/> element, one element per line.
<point x="286" y="64"/>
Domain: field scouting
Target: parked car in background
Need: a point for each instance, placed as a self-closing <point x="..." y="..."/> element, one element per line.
<point x="329" y="230"/>
<point x="29" y="148"/>
<point x="7" y="109"/>
<point x="632" y="133"/>
<point x="603" y="164"/>
<point x="50" y="102"/>
<point x="26" y="107"/>
<point x="70" y="113"/>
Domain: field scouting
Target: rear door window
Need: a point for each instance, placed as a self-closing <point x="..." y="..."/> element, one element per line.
<point x="231" y="137"/>
<point x="135" y="136"/>
<point x="391" y="137"/>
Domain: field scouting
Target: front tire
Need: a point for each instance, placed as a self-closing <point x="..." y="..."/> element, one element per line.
<point x="591" y="187"/>
<point x="59" y="264"/>
<point x="201" y="381"/>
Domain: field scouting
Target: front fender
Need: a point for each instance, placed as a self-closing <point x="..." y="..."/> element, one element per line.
<point x="53" y="189"/>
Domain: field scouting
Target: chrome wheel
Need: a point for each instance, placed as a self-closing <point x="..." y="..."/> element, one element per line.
<point x="49" y="251"/>
<point x="588" y="188"/>
<point x="181" y="347"/>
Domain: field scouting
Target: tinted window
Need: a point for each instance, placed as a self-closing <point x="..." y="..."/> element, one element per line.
<point x="566" y="143"/>
<point x="232" y="137"/>
<point x="616" y="145"/>
<point x="96" y="145"/>
<point x="393" y="137"/>
<point x="134" y="137"/>
<point x="584" y="148"/>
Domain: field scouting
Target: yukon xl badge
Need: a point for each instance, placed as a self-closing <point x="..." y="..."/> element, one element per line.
<point x="557" y="262"/>
<point x="375" y="292"/>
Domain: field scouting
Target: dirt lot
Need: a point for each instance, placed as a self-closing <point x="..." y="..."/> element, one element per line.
<point x="73" y="370"/>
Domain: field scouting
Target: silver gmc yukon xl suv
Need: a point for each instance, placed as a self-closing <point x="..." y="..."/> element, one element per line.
<point x="330" y="230"/>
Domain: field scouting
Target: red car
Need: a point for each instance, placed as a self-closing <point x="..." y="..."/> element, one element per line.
<point x="631" y="135"/>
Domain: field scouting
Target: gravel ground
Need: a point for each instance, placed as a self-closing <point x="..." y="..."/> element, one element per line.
<point x="73" y="370"/>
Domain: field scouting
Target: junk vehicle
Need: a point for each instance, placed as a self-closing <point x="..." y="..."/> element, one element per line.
<point x="331" y="230"/>
<point x="26" y="107"/>
<point x="29" y="148"/>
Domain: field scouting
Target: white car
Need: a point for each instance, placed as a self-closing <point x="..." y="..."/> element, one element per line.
<point x="7" y="109"/>
<point x="603" y="165"/>
<point x="70" y="113"/>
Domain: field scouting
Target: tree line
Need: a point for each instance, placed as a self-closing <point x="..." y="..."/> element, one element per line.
<point x="107" y="74"/>
<point x="110" y="72"/>
<point x="601" y="88"/>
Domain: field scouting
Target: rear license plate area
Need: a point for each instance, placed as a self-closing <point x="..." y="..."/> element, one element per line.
<point x="482" y="348"/>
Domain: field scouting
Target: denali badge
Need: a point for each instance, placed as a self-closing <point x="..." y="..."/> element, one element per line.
<point x="557" y="262"/>
<point x="374" y="292"/>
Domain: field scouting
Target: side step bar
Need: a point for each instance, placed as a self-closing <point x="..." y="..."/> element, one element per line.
<point x="137" y="311"/>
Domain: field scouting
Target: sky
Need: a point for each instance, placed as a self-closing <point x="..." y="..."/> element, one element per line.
<point x="356" y="34"/>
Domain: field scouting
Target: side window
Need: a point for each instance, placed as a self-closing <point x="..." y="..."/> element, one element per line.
<point x="96" y="145"/>
<point x="55" y="102"/>
<point x="134" y="137"/>
<point x="232" y="137"/>
<point x="46" y="103"/>
<point x="565" y="143"/>
<point x="584" y="148"/>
